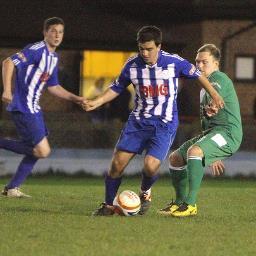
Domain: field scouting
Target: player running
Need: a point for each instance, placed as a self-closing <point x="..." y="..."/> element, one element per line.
<point x="36" y="68"/>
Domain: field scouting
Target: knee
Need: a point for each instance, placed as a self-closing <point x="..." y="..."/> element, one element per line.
<point x="42" y="152"/>
<point x="42" y="149"/>
<point x="176" y="160"/>
<point x="195" y="150"/>
<point x="151" y="166"/>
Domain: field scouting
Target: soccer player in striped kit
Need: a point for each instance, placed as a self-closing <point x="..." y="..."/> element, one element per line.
<point x="36" y="68"/>
<point x="153" y="122"/>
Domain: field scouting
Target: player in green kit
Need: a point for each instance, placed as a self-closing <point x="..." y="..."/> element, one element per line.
<point x="220" y="138"/>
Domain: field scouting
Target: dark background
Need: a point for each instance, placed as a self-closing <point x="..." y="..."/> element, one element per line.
<point x="112" y="25"/>
<point x="109" y="24"/>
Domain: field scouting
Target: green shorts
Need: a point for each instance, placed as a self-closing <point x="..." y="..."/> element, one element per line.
<point x="216" y="145"/>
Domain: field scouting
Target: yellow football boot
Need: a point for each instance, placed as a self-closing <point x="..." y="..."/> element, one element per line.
<point x="185" y="210"/>
<point x="169" y="209"/>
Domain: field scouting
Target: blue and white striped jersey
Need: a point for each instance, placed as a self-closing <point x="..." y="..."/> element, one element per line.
<point x="155" y="86"/>
<point x="36" y="68"/>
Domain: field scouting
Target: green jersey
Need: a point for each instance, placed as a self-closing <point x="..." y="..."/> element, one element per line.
<point x="228" y="118"/>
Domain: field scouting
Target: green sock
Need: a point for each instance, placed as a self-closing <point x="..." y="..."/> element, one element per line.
<point x="195" y="176"/>
<point x="179" y="182"/>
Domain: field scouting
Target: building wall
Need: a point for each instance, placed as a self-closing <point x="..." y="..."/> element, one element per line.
<point x="215" y="31"/>
<point x="195" y="34"/>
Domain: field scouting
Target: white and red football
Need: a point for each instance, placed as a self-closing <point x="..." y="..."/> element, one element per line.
<point x="127" y="203"/>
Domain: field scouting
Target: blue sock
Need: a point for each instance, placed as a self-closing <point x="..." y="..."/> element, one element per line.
<point x="16" y="147"/>
<point x="111" y="188"/>
<point x="148" y="181"/>
<point x="24" y="169"/>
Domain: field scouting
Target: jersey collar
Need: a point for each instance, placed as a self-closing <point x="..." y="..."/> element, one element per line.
<point x="158" y="62"/>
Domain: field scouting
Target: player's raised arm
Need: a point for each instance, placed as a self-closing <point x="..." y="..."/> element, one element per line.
<point x="217" y="99"/>
<point x="107" y="96"/>
<point x="7" y="71"/>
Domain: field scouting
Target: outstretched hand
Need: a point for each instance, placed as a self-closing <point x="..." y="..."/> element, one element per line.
<point x="89" y="105"/>
<point x="217" y="168"/>
<point x="80" y="100"/>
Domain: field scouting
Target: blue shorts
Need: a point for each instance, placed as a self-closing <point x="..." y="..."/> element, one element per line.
<point x="153" y="136"/>
<point x="30" y="127"/>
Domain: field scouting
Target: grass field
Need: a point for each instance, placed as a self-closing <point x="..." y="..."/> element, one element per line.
<point x="57" y="221"/>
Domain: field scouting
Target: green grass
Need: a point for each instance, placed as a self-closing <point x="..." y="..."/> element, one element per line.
<point x="57" y="221"/>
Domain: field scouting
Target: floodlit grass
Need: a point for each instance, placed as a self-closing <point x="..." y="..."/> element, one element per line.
<point x="57" y="221"/>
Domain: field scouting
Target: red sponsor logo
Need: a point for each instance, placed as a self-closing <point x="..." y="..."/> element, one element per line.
<point x="44" y="77"/>
<point x="154" y="91"/>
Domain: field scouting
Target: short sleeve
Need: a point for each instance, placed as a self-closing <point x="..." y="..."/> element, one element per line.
<point x="122" y="81"/>
<point x="25" y="57"/>
<point x="187" y="70"/>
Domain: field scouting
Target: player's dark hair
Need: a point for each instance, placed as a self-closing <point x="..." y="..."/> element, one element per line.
<point x="149" y="33"/>
<point x="52" y="21"/>
<point x="212" y="49"/>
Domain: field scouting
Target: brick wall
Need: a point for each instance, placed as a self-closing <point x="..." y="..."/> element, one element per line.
<point x="214" y="32"/>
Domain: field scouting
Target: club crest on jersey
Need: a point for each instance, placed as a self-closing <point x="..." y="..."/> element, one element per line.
<point x="21" y="56"/>
<point x="44" y="77"/>
<point x="154" y="91"/>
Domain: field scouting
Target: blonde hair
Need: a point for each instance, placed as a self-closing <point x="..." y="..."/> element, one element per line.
<point x="212" y="49"/>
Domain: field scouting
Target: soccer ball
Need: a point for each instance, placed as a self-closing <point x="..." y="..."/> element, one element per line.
<point x="127" y="203"/>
